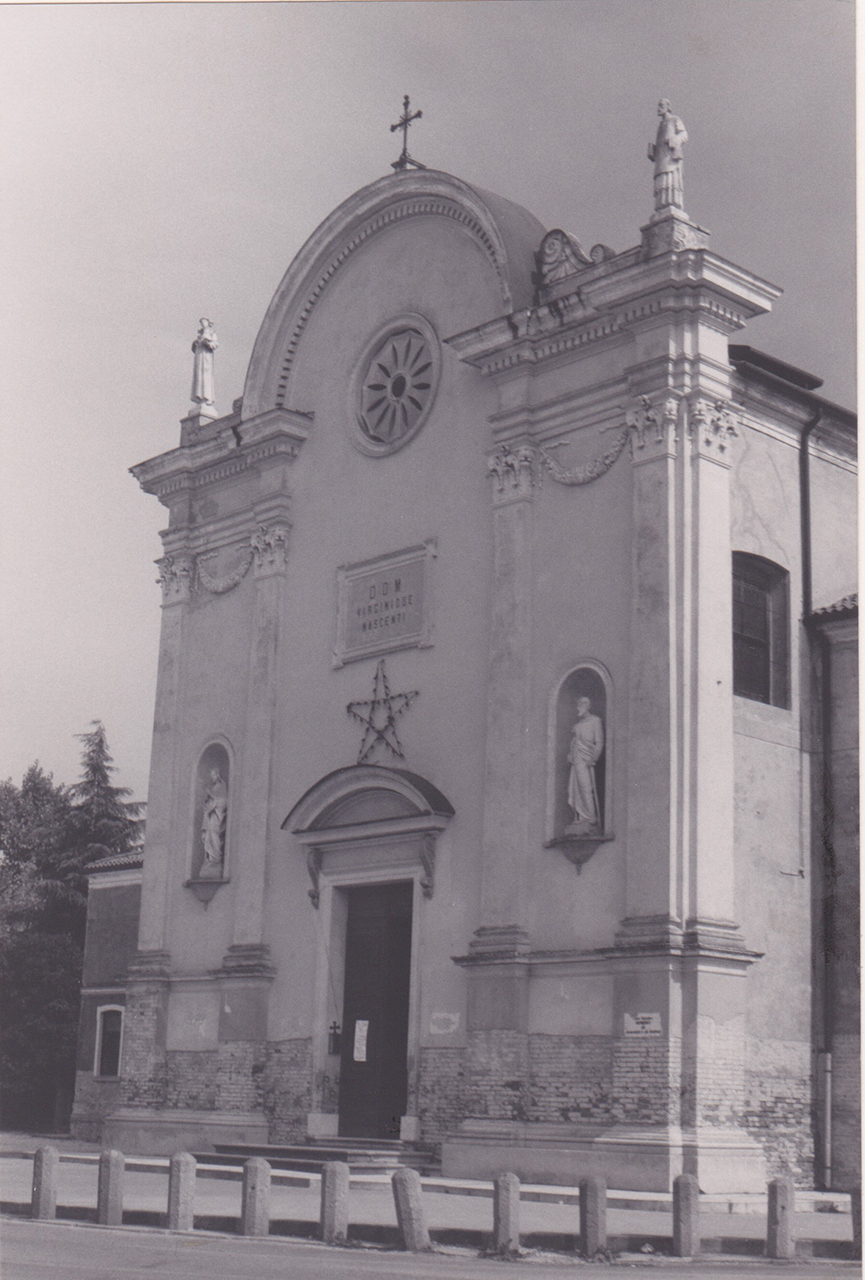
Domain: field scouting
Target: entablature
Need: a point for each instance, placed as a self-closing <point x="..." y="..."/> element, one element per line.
<point x="693" y="282"/>
<point x="224" y="452"/>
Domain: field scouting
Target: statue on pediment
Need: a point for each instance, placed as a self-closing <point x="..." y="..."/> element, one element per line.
<point x="202" y="369"/>
<point x="666" y="152"/>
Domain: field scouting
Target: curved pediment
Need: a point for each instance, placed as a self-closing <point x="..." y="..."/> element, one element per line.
<point x="360" y="794"/>
<point x="507" y="234"/>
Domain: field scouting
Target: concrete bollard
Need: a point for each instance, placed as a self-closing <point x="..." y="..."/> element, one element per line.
<point x="780" y="1240"/>
<point x="109" y="1201"/>
<point x="334" y="1202"/>
<point x="181" y="1191"/>
<point x="506" y="1213"/>
<point x="686" y="1216"/>
<point x="593" y="1216"/>
<point x="410" y="1219"/>
<point x="43" y="1199"/>
<point x="255" y="1201"/>
<point x="856" y="1216"/>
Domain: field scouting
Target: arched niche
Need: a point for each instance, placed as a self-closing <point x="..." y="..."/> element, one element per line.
<point x="211" y="811"/>
<point x="576" y="833"/>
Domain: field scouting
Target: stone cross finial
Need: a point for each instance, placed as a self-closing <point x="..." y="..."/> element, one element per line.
<point x="202" y="370"/>
<point x="666" y="152"/>
<point x="408" y="117"/>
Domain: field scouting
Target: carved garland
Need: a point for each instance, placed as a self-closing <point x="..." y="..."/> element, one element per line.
<point x="267" y="548"/>
<point x="589" y="471"/>
<point x="218" y="585"/>
<point x="515" y="469"/>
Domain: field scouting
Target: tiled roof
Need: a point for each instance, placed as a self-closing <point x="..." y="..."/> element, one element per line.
<point x="118" y="861"/>
<point x="847" y="604"/>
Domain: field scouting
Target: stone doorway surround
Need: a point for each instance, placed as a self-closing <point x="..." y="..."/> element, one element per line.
<point x="363" y="825"/>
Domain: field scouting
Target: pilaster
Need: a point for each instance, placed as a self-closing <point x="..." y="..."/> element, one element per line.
<point x="653" y="747"/>
<point x="270" y="558"/>
<point x="507" y="777"/>
<point x="712" y="430"/>
<point x="176" y="574"/>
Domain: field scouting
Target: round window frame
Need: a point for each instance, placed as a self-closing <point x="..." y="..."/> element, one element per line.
<point x="409" y="320"/>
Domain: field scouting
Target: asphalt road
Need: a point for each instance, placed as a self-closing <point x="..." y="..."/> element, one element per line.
<point x="73" y="1251"/>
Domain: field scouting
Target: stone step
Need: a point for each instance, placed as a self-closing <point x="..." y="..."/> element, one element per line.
<point x="361" y="1155"/>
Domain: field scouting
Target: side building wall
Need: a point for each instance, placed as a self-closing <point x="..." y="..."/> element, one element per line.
<point x="113" y="905"/>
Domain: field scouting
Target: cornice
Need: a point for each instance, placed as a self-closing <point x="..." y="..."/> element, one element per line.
<point x="672" y="952"/>
<point x="576" y="410"/>
<point x="614" y="303"/>
<point x="364" y="215"/>
<point x="783" y="415"/>
<point x="278" y="433"/>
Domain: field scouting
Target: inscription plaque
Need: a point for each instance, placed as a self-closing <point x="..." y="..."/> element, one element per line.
<point x="642" y="1024"/>
<point x="384" y="604"/>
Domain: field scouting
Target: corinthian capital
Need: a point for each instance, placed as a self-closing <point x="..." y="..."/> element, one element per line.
<point x="712" y="425"/>
<point x="653" y="425"/>
<point x="175" y="577"/>
<point x="270" y="549"/>
<point x="513" y="471"/>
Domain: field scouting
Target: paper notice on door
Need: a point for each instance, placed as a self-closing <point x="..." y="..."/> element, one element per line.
<point x="361" y="1030"/>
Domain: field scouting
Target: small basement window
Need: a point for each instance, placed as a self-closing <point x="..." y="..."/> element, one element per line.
<point x="109" y="1033"/>
<point x="761" y="630"/>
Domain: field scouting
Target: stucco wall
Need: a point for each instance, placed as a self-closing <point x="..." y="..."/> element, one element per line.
<point x="112" y="932"/>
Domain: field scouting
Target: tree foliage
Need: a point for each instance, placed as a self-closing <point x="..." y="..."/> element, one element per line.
<point x="49" y="835"/>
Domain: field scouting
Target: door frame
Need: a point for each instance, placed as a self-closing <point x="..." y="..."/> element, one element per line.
<point x="342" y="854"/>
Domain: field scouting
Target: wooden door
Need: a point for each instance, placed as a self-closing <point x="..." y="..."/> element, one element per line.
<point x="373" y="1071"/>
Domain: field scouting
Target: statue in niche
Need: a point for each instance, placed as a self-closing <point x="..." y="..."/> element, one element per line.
<point x="587" y="743"/>
<point x="202" y="370"/>
<point x="666" y="152"/>
<point x="213" y="825"/>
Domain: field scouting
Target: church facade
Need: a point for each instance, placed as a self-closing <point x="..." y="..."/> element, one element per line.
<point x="502" y="790"/>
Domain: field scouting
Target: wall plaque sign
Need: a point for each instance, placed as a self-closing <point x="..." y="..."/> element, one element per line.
<point x="642" y="1024"/>
<point x="384" y="604"/>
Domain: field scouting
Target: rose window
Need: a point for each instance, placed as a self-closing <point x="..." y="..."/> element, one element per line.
<point x="397" y="388"/>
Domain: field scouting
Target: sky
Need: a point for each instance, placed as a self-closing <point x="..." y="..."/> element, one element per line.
<point x="162" y="162"/>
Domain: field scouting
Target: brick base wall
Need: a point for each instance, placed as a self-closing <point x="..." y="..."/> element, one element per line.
<point x="287" y="1089"/>
<point x="441" y="1093"/>
<point x="846" y="1113"/>
<point x="143" y="1067"/>
<point x="778" y="1107"/>
<point x="227" y="1078"/>
<point x="94" y="1100"/>
<point x="713" y="1074"/>
<point x="570" y="1078"/>
<point x="646" y="1081"/>
<point x="497" y="1075"/>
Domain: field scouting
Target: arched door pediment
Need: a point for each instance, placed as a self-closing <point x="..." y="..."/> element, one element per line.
<point x="363" y="806"/>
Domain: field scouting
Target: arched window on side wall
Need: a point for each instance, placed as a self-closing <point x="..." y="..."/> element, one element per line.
<point x="109" y="1037"/>
<point x="761" y="630"/>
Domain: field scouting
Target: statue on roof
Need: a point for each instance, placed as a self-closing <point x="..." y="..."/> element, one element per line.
<point x="202" y="370"/>
<point x="666" y="152"/>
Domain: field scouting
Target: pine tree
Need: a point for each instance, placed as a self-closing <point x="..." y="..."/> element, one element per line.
<point x="49" y="834"/>
<point x="104" y="819"/>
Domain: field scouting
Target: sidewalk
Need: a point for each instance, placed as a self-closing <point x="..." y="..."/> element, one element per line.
<point x="458" y="1211"/>
<point x="70" y="1251"/>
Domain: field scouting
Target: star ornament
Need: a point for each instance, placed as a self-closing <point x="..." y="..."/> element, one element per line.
<point x="379" y="716"/>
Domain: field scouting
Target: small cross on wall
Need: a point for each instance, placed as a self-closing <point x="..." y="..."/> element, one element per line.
<point x="403" y="123"/>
